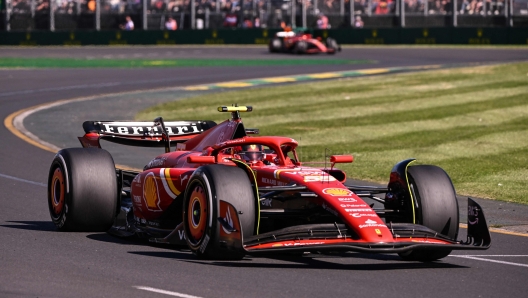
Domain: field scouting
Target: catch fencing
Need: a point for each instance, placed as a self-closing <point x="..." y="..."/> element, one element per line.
<point x="58" y="15"/>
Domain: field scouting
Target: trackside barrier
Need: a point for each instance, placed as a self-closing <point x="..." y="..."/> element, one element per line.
<point x="464" y="36"/>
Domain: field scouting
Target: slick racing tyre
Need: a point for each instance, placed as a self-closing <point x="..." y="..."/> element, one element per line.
<point x="82" y="190"/>
<point x="436" y="207"/>
<point x="332" y="44"/>
<point x="275" y="45"/>
<point x="300" y="47"/>
<point x="208" y="186"/>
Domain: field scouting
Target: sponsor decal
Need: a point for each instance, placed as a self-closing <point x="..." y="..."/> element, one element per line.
<point x="181" y="147"/>
<point x="357" y="215"/>
<point x="329" y="209"/>
<point x="371" y="223"/>
<point x="141" y="129"/>
<point x="273" y="181"/>
<point x="153" y="223"/>
<point x="353" y="205"/>
<point x="266" y="202"/>
<point x="358" y="210"/>
<point x="228" y="219"/>
<point x="157" y="162"/>
<point x="303" y="243"/>
<point x="277" y="173"/>
<point x="473" y="212"/>
<point x="378" y="232"/>
<point x="351" y="200"/>
<point x="181" y="234"/>
<point x="277" y="245"/>
<point x="308" y="176"/>
<point x="137" y="199"/>
<point x="426" y="241"/>
<point x="327" y="178"/>
<point x="151" y="193"/>
<point x="338" y="192"/>
<point x="227" y="143"/>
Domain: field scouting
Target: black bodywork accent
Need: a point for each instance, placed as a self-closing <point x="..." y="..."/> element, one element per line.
<point x="398" y="196"/>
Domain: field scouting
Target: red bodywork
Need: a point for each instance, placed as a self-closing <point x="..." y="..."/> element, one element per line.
<point x="165" y="178"/>
<point x="314" y="45"/>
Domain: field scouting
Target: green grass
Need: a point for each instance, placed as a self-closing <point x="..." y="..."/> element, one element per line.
<point x="473" y="122"/>
<point x="128" y="63"/>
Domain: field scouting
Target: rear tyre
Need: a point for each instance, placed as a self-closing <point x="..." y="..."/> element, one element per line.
<point x="436" y="207"/>
<point x="82" y="190"/>
<point x="201" y="207"/>
<point x="300" y="47"/>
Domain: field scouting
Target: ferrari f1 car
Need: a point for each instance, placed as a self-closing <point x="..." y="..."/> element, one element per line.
<point x="301" y="43"/>
<point x="225" y="192"/>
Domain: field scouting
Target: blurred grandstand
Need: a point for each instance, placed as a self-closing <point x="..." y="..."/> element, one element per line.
<point x="28" y="15"/>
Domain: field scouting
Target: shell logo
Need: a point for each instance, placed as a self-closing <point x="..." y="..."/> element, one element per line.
<point x="150" y="193"/>
<point x="337" y="192"/>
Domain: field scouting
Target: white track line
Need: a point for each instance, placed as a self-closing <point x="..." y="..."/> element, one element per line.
<point x="493" y="261"/>
<point x="22" y="180"/>
<point x="175" y="294"/>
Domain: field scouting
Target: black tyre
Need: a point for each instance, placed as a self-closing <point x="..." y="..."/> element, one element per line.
<point x="300" y="47"/>
<point x="275" y="45"/>
<point x="436" y="207"/>
<point x="201" y="207"/>
<point x="82" y="190"/>
<point x="332" y="44"/>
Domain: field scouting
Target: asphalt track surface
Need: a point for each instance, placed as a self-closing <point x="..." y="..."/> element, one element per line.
<point x="38" y="261"/>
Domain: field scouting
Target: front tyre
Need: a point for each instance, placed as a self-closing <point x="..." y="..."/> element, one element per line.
<point x="275" y="45"/>
<point x="208" y="186"/>
<point x="332" y="44"/>
<point x="82" y="190"/>
<point x="436" y="207"/>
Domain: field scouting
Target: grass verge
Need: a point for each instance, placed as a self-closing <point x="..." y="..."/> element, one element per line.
<point x="473" y="122"/>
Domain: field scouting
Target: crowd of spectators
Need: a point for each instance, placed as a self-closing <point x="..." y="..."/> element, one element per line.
<point x="261" y="13"/>
<point x="477" y="7"/>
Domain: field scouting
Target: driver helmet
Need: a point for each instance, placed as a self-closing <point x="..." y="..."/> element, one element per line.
<point x="252" y="153"/>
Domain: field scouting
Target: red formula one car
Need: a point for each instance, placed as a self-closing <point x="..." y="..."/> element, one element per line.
<point x="225" y="193"/>
<point x="301" y="43"/>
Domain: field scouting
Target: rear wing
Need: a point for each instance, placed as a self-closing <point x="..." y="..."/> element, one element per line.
<point x="143" y="134"/>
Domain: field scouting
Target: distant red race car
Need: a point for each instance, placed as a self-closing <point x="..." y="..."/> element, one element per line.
<point x="301" y="43"/>
<point x="225" y="193"/>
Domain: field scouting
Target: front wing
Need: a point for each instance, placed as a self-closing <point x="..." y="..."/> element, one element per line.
<point x="406" y="237"/>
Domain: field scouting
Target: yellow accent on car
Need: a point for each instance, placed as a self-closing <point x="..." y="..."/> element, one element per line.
<point x="410" y="192"/>
<point x="170" y="182"/>
<point x="235" y="109"/>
